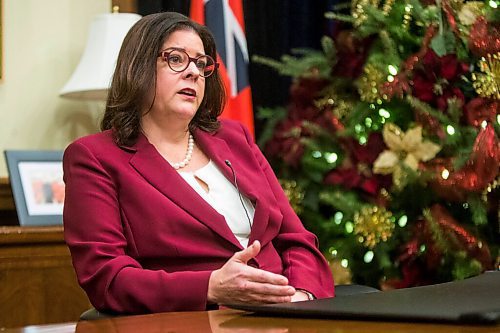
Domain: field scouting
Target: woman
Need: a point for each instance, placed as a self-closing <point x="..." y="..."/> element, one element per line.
<point x="161" y="205"/>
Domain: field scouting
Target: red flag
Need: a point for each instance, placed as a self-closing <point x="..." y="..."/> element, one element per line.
<point x="225" y="20"/>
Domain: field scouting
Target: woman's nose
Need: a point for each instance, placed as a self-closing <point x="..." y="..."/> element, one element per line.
<point x="192" y="69"/>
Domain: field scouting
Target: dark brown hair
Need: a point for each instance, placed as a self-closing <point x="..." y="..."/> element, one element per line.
<point x="134" y="80"/>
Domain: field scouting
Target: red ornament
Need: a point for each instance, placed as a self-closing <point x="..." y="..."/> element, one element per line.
<point x="442" y="72"/>
<point x="398" y="87"/>
<point x="351" y="54"/>
<point x="459" y="238"/>
<point x="286" y="142"/>
<point x="431" y="124"/>
<point x="421" y="268"/>
<point x="481" y="109"/>
<point x="355" y="173"/>
<point x="484" y="38"/>
<point x="337" y="124"/>
<point x="401" y="83"/>
<point x="449" y="16"/>
<point x="481" y="169"/>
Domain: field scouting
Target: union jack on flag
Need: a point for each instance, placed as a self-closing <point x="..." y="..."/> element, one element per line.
<point x="225" y="20"/>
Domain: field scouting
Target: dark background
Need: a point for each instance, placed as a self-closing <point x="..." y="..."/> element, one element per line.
<point x="273" y="28"/>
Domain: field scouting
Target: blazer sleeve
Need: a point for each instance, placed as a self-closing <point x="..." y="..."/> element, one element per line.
<point x="95" y="234"/>
<point x="304" y="265"/>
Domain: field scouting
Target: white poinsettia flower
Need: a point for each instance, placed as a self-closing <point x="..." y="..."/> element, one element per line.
<point x="406" y="147"/>
<point x="386" y="163"/>
<point x="470" y="11"/>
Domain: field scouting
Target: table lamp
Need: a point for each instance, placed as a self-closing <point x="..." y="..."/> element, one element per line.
<point x="92" y="77"/>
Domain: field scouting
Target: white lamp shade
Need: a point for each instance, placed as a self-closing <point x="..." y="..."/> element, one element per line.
<point x="92" y="77"/>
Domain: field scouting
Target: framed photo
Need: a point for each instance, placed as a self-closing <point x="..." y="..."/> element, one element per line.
<point x="37" y="186"/>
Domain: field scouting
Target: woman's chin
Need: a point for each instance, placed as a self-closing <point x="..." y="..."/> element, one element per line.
<point x="187" y="113"/>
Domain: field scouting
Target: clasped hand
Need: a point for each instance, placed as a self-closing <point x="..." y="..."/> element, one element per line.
<point x="236" y="282"/>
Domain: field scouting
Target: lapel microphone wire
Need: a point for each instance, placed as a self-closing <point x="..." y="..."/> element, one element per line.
<point x="228" y="163"/>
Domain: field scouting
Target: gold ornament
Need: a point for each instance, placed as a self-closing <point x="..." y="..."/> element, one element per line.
<point x="492" y="186"/>
<point x="484" y="196"/>
<point x="342" y="108"/>
<point x="407" y="16"/>
<point x="487" y="82"/>
<point x="358" y="9"/>
<point x="358" y="12"/>
<point x="338" y="104"/>
<point x="369" y="83"/>
<point x="385" y="194"/>
<point x="342" y="275"/>
<point x="294" y="193"/>
<point x="325" y="102"/>
<point x="374" y="225"/>
<point x="387" y="7"/>
<point x="399" y="178"/>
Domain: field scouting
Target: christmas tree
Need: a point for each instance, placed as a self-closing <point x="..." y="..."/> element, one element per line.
<point x="388" y="148"/>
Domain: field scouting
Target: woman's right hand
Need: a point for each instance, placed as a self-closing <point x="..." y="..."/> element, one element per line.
<point x="236" y="282"/>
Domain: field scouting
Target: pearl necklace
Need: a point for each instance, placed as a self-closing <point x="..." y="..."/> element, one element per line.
<point x="189" y="154"/>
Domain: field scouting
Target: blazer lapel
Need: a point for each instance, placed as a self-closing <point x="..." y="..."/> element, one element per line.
<point x="218" y="150"/>
<point x="158" y="172"/>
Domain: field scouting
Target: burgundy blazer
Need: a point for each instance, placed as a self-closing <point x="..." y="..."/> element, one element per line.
<point x="142" y="240"/>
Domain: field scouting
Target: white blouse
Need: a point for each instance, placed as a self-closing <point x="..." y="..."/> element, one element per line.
<point x="223" y="196"/>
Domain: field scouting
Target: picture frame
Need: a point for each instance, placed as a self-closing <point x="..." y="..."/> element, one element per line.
<point x="37" y="185"/>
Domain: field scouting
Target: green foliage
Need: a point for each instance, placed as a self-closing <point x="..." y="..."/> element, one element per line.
<point x="493" y="14"/>
<point x="464" y="267"/>
<point x="271" y="116"/>
<point x="304" y="62"/>
<point x="479" y="214"/>
<point x="343" y="122"/>
<point x="443" y="43"/>
<point x="346" y="202"/>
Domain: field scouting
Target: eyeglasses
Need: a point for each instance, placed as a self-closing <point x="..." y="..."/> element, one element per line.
<point x="178" y="61"/>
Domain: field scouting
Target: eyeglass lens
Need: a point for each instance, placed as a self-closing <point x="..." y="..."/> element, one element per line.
<point x="179" y="60"/>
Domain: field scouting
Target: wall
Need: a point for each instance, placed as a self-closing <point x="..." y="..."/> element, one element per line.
<point x="42" y="42"/>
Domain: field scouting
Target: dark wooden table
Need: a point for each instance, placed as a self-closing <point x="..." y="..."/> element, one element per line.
<point x="222" y="321"/>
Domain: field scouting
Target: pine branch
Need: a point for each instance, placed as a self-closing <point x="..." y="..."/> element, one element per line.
<point x="329" y="49"/>
<point x="344" y="201"/>
<point x="443" y="240"/>
<point x="390" y="48"/>
<point x="274" y="64"/>
<point x="271" y="117"/>
<point x="424" y="15"/>
<point x="424" y="107"/>
<point x="454" y="109"/>
<point x="478" y="210"/>
<point x="459" y="144"/>
<point x="298" y="67"/>
<point x="339" y="17"/>
<point x="465" y="267"/>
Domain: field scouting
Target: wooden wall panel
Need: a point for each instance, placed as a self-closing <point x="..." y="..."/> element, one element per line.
<point x="38" y="283"/>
